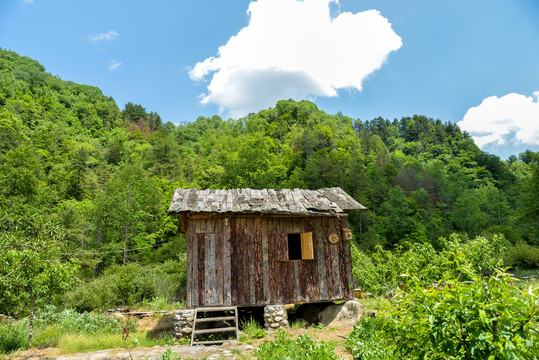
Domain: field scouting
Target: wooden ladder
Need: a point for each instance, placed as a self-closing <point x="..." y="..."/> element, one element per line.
<point x="214" y="315"/>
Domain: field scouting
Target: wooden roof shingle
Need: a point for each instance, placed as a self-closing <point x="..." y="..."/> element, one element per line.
<point x="266" y="201"/>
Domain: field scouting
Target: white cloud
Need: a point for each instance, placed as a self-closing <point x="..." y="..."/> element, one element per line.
<point x="513" y="118"/>
<point x="28" y="1"/>
<point x="108" y="36"/>
<point x="114" y="65"/>
<point x="294" y="49"/>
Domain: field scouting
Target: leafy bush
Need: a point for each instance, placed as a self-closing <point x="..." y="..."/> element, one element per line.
<point x="70" y="321"/>
<point x="522" y="256"/>
<point x="302" y="348"/>
<point x="13" y="336"/>
<point x="485" y="318"/>
<point x="380" y="271"/>
<point x="130" y="285"/>
<point x="367" y="341"/>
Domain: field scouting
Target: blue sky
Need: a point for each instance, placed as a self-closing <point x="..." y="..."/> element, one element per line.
<point x="471" y="62"/>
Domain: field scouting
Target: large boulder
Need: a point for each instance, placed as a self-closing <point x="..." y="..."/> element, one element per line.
<point x="339" y="315"/>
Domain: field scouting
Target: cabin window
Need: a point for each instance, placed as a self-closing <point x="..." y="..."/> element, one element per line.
<point x="300" y="246"/>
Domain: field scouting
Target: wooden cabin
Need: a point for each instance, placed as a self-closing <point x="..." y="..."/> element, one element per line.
<point x="250" y="247"/>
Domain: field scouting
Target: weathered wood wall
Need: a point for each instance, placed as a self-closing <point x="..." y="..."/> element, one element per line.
<point x="242" y="261"/>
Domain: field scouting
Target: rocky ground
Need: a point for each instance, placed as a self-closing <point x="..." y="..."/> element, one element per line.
<point x="229" y="350"/>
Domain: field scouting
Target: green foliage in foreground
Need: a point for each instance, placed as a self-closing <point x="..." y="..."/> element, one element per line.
<point x="70" y="321"/>
<point x="485" y="318"/>
<point x="302" y="348"/>
<point x="71" y="343"/>
<point x="380" y="271"/>
<point x="367" y="341"/>
<point x="169" y="355"/>
<point x="13" y="336"/>
<point x="73" y="332"/>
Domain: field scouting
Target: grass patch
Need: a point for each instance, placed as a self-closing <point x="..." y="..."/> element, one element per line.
<point x="375" y="303"/>
<point x="298" y="324"/>
<point x="303" y="347"/>
<point x="252" y="329"/>
<point x="13" y="336"/>
<point x="159" y="303"/>
<point x="72" y="343"/>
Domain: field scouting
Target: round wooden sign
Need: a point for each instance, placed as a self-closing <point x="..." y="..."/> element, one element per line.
<point x="333" y="238"/>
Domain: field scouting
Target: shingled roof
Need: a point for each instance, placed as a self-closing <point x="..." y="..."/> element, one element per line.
<point x="266" y="201"/>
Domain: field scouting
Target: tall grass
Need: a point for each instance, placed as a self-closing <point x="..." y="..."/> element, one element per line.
<point x="13" y="336"/>
<point x="72" y="332"/>
<point x="252" y="329"/>
<point x="73" y="343"/>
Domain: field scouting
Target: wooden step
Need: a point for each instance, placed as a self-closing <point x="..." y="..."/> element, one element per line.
<point x="222" y="318"/>
<point x="209" y="342"/>
<point x="209" y="318"/>
<point x="224" y="308"/>
<point x="210" y="331"/>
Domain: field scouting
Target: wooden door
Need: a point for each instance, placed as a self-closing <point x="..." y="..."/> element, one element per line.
<point x="210" y="262"/>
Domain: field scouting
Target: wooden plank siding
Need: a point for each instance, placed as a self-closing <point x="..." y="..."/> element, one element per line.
<point x="243" y="261"/>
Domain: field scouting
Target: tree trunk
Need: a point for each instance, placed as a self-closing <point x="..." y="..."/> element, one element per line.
<point x="31" y="326"/>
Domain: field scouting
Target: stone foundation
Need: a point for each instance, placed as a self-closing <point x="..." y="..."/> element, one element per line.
<point x="183" y="322"/>
<point x="275" y="317"/>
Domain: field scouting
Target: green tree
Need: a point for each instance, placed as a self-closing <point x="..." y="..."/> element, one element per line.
<point x="467" y="215"/>
<point x="32" y="264"/>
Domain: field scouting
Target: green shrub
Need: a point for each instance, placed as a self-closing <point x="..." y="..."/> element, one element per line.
<point x="367" y="341"/>
<point x="522" y="256"/>
<point x="70" y="321"/>
<point x="485" y="318"/>
<point x="302" y="348"/>
<point x="13" y="336"/>
<point x="130" y="285"/>
<point x="99" y="294"/>
<point x="381" y="271"/>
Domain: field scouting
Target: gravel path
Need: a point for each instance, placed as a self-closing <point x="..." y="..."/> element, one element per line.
<point x="229" y="350"/>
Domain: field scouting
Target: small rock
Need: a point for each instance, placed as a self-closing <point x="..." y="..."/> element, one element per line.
<point x="274" y="325"/>
<point x="187" y="330"/>
<point x="278" y="319"/>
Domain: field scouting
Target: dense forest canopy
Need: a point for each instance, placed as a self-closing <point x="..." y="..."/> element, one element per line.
<point x="85" y="186"/>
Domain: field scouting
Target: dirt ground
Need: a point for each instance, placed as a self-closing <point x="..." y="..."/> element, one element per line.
<point x="229" y="350"/>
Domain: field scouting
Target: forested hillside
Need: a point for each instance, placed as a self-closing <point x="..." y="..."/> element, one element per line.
<point x="85" y="186"/>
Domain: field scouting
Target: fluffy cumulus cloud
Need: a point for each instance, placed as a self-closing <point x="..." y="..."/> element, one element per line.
<point x="107" y="36"/>
<point x="295" y="49"/>
<point x="512" y="119"/>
